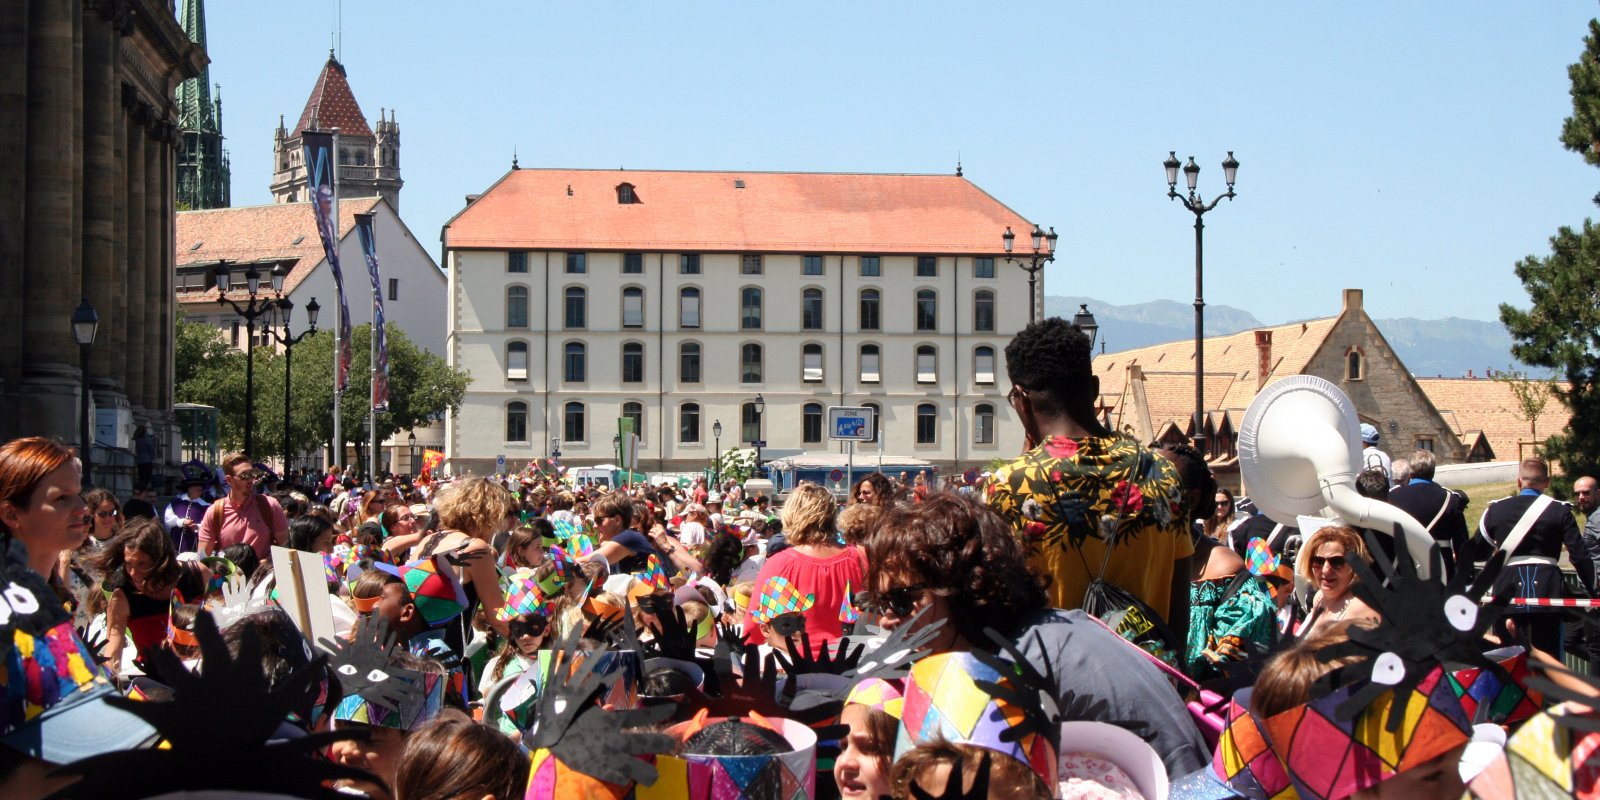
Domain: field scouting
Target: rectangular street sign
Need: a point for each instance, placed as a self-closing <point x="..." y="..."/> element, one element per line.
<point x="759" y="443"/>
<point x="850" y="423"/>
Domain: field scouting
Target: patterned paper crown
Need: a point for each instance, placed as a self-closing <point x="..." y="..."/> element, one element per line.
<point x="581" y="546"/>
<point x="1244" y="759"/>
<point x="1259" y="558"/>
<point x="332" y="568"/>
<point x="879" y="694"/>
<point x="561" y="571"/>
<point x="356" y="708"/>
<point x="565" y="528"/>
<point x="789" y="775"/>
<point x="778" y="597"/>
<point x="522" y="594"/>
<point x="848" y="613"/>
<point x="654" y="575"/>
<point x="1544" y="758"/>
<point x="434" y="587"/>
<point x="943" y="701"/>
<point x="1486" y="698"/>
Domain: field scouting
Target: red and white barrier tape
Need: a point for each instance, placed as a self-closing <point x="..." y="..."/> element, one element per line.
<point x="1556" y="602"/>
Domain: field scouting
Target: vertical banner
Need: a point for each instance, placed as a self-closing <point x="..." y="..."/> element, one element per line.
<point x="319" y="168"/>
<point x="627" y="445"/>
<point x="380" y="347"/>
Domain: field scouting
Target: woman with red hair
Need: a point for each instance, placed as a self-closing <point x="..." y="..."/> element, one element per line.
<point x="41" y="499"/>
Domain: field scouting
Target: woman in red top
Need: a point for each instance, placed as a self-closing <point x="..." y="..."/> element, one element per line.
<point x="815" y="563"/>
<point x="144" y="575"/>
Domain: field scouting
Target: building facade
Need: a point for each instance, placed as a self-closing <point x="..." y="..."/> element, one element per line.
<point x="578" y="298"/>
<point x="204" y="179"/>
<point x="369" y="159"/>
<point x="86" y="206"/>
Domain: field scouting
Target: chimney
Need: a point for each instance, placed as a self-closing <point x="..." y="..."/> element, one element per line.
<point x="1352" y="300"/>
<point x="1263" y="357"/>
<point x="1469" y="374"/>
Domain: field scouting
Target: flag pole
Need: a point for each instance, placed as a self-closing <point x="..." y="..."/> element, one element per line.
<point x="339" y="321"/>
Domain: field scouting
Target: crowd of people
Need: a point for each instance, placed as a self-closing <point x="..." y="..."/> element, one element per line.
<point x="1096" y="619"/>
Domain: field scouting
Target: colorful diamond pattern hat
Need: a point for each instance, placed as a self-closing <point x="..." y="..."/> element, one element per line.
<point x="522" y="595"/>
<point x="355" y="708"/>
<point x="565" y="528"/>
<point x="548" y="779"/>
<point x="1259" y="557"/>
<point x="779" y="596"/>
<point x="847" y="607"/>
<point x="879" y="694"/>
<point x="1244" y="759"/>
<point x="1328" y="758"/>
<point x="435" y="589"/>
<point x="1487" y="698"/>
<point x="706" y="777"/>
<point x="943" y="701"/>
<point x="581" y="546"/>
<point x="654" y="575"/>
<point x="1544" y="758"/>
<point x="561" y="571"/>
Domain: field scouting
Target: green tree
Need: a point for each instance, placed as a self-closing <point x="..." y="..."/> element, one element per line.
<point x="1533" y="396"/>
<point x="1561" y="329"/>
<point x="738" y="464"/>
<point x="208" y="370"/>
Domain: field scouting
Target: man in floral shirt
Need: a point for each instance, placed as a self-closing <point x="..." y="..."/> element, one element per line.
<point x="1084" y="498"/>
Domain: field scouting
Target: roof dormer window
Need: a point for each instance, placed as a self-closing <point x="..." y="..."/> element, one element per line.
<point x="625" y="194"/>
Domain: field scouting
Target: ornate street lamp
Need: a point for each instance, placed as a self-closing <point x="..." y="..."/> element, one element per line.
<point x="251" y="311"/>
<point x="555" y="447"/>
<point x="1084" y="321"/>
<point x="285" y="310"/>
<point x="1197" y="204"/>
<point x="716" y="435"/>
<point x="416" y="452"/>
<point x="85" y="322"/>
<point x="761" y="410"/>
<point x="1032" y="264"/>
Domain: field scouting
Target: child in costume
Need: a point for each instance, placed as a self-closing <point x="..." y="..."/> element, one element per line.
<point x="872" y="713"/>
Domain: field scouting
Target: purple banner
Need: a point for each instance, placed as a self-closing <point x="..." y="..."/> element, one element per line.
<point x="380" y="347"/>
<point x="319" y="167"/>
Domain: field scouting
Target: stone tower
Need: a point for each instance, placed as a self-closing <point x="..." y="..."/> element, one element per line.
<point x="369" y="162"/>
<point x="203" y="175"/>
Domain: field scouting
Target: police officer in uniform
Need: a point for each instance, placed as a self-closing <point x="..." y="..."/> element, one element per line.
<point x="1439" y="510"/>
<point x="1531" y="569"/>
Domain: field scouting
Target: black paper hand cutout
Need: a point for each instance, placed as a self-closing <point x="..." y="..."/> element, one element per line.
<point x="362" y="666"/>
<point x="673" y="636"/>
<point x="952" y="784"/>
<point x="830" y="661"/>
<point x="893" y="658"/>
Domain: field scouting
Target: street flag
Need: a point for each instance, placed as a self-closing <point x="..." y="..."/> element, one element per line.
<point x="319" y="162"/>
<point x="627" y="444"/>
<point x="431" y="459"/>
<point x="380" y="346"/>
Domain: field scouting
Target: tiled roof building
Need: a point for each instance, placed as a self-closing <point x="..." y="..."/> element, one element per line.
<point x="1485" y="414"/>
<point x="369" y="161"/>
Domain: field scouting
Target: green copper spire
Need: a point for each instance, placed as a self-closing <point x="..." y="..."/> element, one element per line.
<point x="203" y="173"/>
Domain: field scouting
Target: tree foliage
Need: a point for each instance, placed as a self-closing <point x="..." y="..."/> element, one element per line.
<point x="207" y="370"/>
<point x="1533" y="396"/>
<point x="1561" y="329"/>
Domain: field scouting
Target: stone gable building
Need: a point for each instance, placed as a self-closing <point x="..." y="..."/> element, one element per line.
<point x="369" y="159"/>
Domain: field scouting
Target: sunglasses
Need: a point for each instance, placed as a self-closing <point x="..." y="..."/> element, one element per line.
<point x="103" y="514"/>
<point x="1337" y="562"/>
<point x="900" y="600"/>
<point x="248" y="477"/>
<point x="1016" y="393"/>
<point x="409" y="518"/>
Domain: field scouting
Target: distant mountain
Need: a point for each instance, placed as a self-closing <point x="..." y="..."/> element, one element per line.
<point x="1429" y="347"/>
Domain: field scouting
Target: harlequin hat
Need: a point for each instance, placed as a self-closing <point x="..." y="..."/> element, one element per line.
<point x="356" y="708"/>
<point x="943" y="701"/>
<point x="1544" y="758"/>
<point x="779" y="596"/>
<point x="1244" y="760"/>
<point x="561" y="571"/>
<point x="1486" y="698"/>
<point x="522" y="595"/>
<point x="434" y="586"/>
<point x="879" y="694"/>
<point x="654" y="575"/>
<point x="792" y="773"/>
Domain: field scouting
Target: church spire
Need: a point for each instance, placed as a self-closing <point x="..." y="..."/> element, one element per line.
<point x="202" y="170"/>
<point x="194" y="95"/>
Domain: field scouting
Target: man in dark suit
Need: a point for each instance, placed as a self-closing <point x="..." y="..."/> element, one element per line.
<point x="1434" y="507"/>
<point x="1531" y="569"/>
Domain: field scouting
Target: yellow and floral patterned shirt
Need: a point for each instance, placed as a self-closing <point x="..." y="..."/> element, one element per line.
<point x="1068" y="498"/>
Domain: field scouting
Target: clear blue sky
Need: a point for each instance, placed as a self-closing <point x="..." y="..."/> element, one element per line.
<point x="1406" y="148"/>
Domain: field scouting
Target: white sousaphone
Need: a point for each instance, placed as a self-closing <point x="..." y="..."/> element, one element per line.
<point x="1299" y="454"/>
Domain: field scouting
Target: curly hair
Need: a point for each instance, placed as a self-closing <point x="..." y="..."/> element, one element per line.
<point x="1052" y="360"/>
<point x="809" y="515"/>
<point x="1200" y="486"/>
<point x="884" y="490"/>
<point x="954" y="543"/>
<point x="858" y="521"/>
<point x="475" y="506"/>
<point x="723" y="556"/>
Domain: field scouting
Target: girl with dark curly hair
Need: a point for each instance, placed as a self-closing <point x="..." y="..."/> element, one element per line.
<point x="952" y="559"/>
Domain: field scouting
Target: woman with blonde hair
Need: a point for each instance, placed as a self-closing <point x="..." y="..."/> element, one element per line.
<point x="471" y="512"/>
<point x="814" y="563"/>
<point x="1326" y="564"/>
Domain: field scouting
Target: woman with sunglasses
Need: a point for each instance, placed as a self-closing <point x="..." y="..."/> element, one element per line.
<point x="951" y="559"/>
<point x="105" y="517"/>
<point x="1328" y="568"/>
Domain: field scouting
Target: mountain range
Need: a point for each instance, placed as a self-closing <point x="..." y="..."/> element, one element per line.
<point x="1446" y="347"/>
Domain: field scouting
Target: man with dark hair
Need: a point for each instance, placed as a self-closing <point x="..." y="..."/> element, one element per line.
<point x="1532" y="527"/>
<point x="1081" y="495"/>
<point x="1436" y="508"/>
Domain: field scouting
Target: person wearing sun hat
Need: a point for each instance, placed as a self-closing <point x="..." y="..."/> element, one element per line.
<point x="188" y="508"/>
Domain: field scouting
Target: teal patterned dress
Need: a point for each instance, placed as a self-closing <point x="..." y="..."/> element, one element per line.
<point x="1222" y="630"/>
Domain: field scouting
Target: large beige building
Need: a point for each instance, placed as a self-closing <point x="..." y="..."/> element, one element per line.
<point x="578" y="297"/>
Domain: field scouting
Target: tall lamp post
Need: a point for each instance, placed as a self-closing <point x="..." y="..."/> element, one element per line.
<point x="1197" y="204"/>
<point x="251" y="311"/>
<point x="761" y="411"/>
<point x="1032" y="264"/>
<point x="84" y="324"/>
<point x="716" y="436"/>
<point x="1084" y="321"/>
<point x="281" y="313"/>
<point x="415" y="451"/>
<point x="555" y="447"/>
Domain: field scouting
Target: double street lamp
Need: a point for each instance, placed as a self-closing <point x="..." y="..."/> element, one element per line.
<point x="1032" y="264"/>
<point x="251" y="311"/>
<point x="280" y="313"/>
<point x="84" y="324"/>
<point x="1197" y="204"/>
<point x="716" y="436"/>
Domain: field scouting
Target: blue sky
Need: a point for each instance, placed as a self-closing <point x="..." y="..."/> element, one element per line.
<point x="1408" y="149"/>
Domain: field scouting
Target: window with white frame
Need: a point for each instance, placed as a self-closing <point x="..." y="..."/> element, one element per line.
<point x="927" y="423"/>
<point x="689" y="307"/>
<point x="811" y="310"/>
<point x="516" y="421"/>
<point x="811" y="265"/>
<point x="983" y="267"/>
<point x="632" y="263"/>
<point x="871" y="266"/>
<point x="983" y="424"/>
<point x="689" y="362"/>
<point x="516" y="360"/>
<point x="573" y="428"/>
<point x="871" y="304"/>
<point x="983" y="365"/>
<point x="927" y="364"/>
<point x="983" y="311"/>
<point x="632" y="362"/>
<point x="750" y="264"/>
<point x="577" y="308"/>
<point x="811" y="423"/>
<point x="689" y="264"/>
<point x="689" y="423"/>
<point x="577" y="263"/>
<point x="750" y="363"/>
<point x="750" y="308"/>
<point x="927" y="267"/>
<point x="575" y="366"/>
<point x="517" y="261"/>
<point x="633" y="307"/>
<point x="927" y="310"/>
<point x="516" y="306"/>
<point x="871" y="368"/>
<point x="811" y="363"/>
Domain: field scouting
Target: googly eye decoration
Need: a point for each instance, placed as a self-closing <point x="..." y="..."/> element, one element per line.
<point x="1388" y="669"/>
<point x="1461" y="612"/>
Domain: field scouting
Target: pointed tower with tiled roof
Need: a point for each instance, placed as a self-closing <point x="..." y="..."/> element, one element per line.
<point x="369" y="159"/>
<point x="203" y="173"/>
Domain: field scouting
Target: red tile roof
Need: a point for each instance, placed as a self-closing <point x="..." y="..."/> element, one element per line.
<point x="1487" y="405"/>
<point x="332" y="105"/>
<point x="278" y="232"/>
<point x="787" y="212"/>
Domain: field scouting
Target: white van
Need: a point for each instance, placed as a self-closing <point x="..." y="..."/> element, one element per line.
<point x="600" y="475"/>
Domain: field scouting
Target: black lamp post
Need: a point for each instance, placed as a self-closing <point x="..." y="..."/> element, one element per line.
<point x="616" y="449"/>
<point x="84" y="324"/>
<point x="251" y="312"/>
<point x="1032" y="264"/>
<point x="284" y="310"/>
<point x="416" y="452"/>
<point x="1084" y="321"/>
<point x="1197" y="204"/>
<point x="716" y="436"/>
<point x="761" y="410"/>
<point x="555" y="447"/>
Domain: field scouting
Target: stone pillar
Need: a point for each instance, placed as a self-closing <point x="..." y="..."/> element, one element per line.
<point x="46" y="399"/>
<point x="133" y="331"/>
<point x="13" y="190"/>
<point x="157" y="152"/>
<point x="102" y="281"/>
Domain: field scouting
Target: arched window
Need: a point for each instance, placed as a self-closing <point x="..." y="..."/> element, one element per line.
<point x="689" y="423"/>
<point x="750" y="363"/>
<point x="750" y="308"/>
<point x="575" y="368"/>
<point x="983" y="424"/>
<point x="635" y="411"/>
<point x="689" y="362"/>
<point x="625" y="194"/>
<point x="927" y="364"/>
<point x="688" y="307"/>
<point x="811" y="310"/>
<point x="750" y="423"/>
<point x="572" y="427"/>
<point x="633" y="363"/>
<point x="516" y="306"/>
<point x="811" y="423"/>
<point x="516" y="360"/>
<point x="577" y="307"/>
<point x="633" y="307"/>
<point x="983" y="365"/>
<point x="871" y="364"/>
<point x="871" y="319"/>
<point x="927" y="310"/>
<point x="811" y="363"/>
<point x="927" y="423"/>
<point x="877" y="419"/>
<point x="516" y="421"/>
<point x="983" y="311"/>
<point x="1355" y="365"/>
